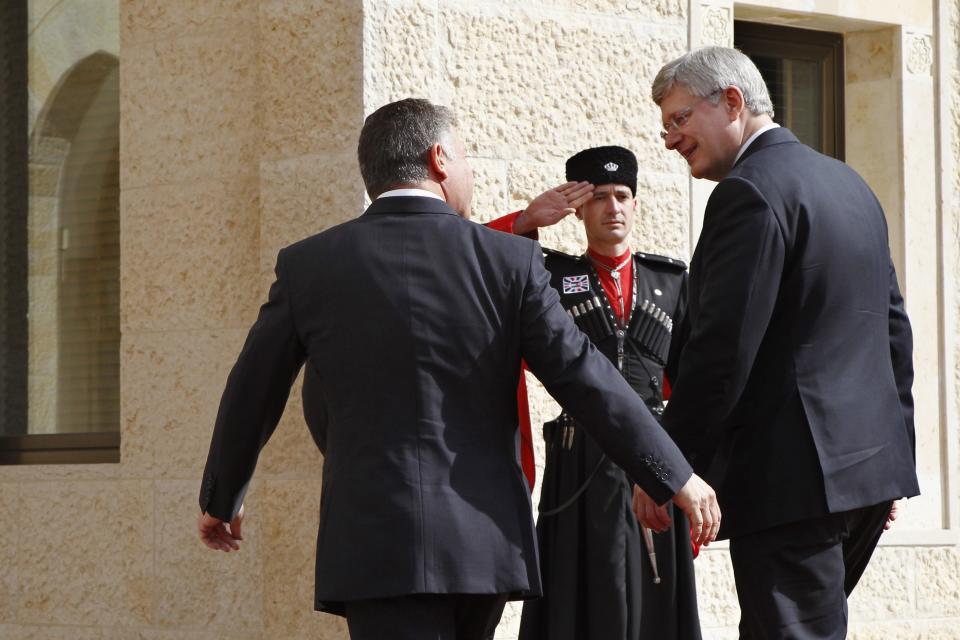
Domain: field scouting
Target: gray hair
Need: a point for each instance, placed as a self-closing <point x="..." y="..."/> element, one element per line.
<point x="707" y="71"/>
<point x="396" y="139"/>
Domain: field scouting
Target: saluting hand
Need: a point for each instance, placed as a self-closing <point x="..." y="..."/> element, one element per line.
<point x="552" y="206"/>
<point x="218" y="535"/>
<point x="698" y="500"/>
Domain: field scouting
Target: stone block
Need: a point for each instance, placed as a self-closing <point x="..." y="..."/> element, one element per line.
<point x="47" y="632"/>
<point x="870" y="55"/>
<point x="172" y="383"/>
<point x="490" y="190"/>
<point x="291" y="509"/>
<point x="716" y="590"/>
<point x="189" y="110"/>
<point x="84" y="548"/>
<point x="42" y="291"/>
<point x="183" y="634"/>
<point x="10" y="526"/>
<point x="872" y="107"/>
<point x="43" y="329"/>
<point x="527" y="180"/>
<point x="310" y="60"/>
<point x="189" y="256"/>
<point x="509" y="625"/>
<point x="62" y="35"/>
<point x="42" y="404"/>
<point x="908" y="629"/>
<point x="303" y="196"/>
<point x="662" y="219"/>
<point x="887" y="588"/>
<point x="938" y="582"/>
<point x="143" y="21"/>
<point x="44" y="180"/>
<point x="721" y="633"/>
<point x="535" y="85"/>
<point x="397" y="64"/>
<point x="43" y="238"/>
<point x="669" y="12"/>
<point x="198" y="588"/>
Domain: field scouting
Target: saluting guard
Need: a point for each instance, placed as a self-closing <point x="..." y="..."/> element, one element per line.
<point x="601" y="579"/>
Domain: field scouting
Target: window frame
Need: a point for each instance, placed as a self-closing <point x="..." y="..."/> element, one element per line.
<point x="17" y="446"/>
<point x="14" y="194"/>
<point x="824" y="47"/>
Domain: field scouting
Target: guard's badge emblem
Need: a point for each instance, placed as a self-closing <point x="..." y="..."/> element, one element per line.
<point x="576" y="284"/>
<point x="611" y="166"/>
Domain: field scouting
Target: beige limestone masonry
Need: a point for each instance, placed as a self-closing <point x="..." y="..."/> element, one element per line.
<point x="238" y="128"/>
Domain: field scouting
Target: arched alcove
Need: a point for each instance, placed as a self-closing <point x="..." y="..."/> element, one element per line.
<point x="75" y="253"/>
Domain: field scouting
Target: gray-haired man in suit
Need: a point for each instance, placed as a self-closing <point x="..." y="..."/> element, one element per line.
<point x="792" y="389"/>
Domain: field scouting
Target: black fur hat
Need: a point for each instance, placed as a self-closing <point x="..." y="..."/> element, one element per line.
<point x="604" y="165"/>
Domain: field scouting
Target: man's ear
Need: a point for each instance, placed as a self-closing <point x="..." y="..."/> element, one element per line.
<point x="578" y="213"/>
<point x="733" y="98"/>
<point x="437" y="162"/>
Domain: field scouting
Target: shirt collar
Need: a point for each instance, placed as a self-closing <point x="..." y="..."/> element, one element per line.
<point x="610" y="261"/>
<point x="756" y="134"/>
<point x="421" y="193"/>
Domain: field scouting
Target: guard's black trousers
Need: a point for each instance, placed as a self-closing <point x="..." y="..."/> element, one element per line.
<point x="793" y="580"/>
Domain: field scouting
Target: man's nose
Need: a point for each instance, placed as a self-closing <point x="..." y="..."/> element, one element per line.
<point x="672" y="139"/>
<point x="613" y="205"/>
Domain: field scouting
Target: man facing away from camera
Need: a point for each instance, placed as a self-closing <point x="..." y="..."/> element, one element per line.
<point x="414" y="322"/>
<point x="794" y="374"/>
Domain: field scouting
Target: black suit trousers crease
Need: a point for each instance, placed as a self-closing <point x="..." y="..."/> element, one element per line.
<point x="793" y="580"/>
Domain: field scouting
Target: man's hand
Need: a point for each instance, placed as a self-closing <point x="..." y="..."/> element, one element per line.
<point x="698" y="500"/>
<point x="217" y="535"/>
<point x="891" y="516"/>
<point x="550" y="207"/>
<point x="648" y="513"/>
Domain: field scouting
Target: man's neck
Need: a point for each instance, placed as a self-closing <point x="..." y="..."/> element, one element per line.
<point x="754" y="124"/>
<point x="426" y="185"/>
<point x="610" y="250"/>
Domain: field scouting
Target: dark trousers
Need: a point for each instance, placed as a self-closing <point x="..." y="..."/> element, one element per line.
<point x="425" y="617"/>
<point x="793" y="580"/>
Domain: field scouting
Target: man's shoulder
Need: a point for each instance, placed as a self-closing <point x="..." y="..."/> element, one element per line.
<point x="560" y="262"/>
<point x="660" y="263"/>
<point x="312" y="241"/>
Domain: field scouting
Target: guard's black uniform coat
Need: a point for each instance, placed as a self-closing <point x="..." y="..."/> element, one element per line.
<point x="598" y="581"/>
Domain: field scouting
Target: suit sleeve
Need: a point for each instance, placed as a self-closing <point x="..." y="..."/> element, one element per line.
<point x="901" y="355"/>
<point x="252" y="403"/>
<point x="589" y="388"/>
<point x="738" y="273"/>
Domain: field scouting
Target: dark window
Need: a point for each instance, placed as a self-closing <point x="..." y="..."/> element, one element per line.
<point x="59" y="239"/>
<point x="804" y="72"/>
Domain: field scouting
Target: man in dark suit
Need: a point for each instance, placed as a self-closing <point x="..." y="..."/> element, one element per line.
<point x="415" y="321"/>
<point x="792" y="390"/>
